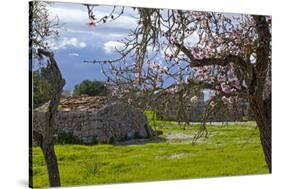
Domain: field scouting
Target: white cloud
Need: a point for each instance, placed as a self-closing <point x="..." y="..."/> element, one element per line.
<point x="71" y="15"/>
<point x="66" y="14"/>
<point x="124" y="21"/>
<point x="65" y="42"/>
<point x="100" y="34"/>
<point x="74" y="20"/>
<point x="73" y="54"/>
<point x="110" y="46"/>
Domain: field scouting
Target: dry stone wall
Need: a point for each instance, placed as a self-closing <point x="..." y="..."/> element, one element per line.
<point x="113" y="122"/>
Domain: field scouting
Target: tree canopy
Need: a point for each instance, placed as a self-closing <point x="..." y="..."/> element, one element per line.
<point x="91" y="88"/>
<point x="228" y="54"/>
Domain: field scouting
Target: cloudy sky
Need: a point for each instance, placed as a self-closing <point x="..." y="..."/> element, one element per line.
<point x="78" y="41"/>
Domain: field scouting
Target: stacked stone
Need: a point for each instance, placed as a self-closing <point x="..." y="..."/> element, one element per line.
<point x="109" y="123"/>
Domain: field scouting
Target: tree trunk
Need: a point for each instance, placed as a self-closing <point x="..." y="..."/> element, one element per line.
<point x="262" y="112"/>
<point x="46" y="138"/>
<point x="52" y="165"/>
<point x="260" y="90"/>
<point x="48" y="151"/>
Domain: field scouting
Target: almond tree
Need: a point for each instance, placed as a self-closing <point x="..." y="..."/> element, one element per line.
<point x="228" y="54"/>
<point x="41" y="29"/>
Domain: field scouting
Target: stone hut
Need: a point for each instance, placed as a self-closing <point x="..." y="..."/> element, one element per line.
<point x="96" y="120"/>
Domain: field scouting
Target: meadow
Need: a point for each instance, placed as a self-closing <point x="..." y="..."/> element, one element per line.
<point x="230" y="149"/>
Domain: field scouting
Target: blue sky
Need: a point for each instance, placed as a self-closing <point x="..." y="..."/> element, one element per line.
<point x="78" y="42"/>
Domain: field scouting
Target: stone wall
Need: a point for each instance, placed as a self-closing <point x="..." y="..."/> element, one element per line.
<point x="113" y="122"/>
<point x="196" y="112"/>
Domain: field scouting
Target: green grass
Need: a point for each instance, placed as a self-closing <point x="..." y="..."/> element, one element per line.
<point x="232" y="149"/>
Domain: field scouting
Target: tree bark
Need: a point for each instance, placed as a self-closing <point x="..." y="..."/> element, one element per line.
<point x="260" y="102"/>
<point x="52" y="165"/>
<point x="262" y="112"/>
<point x="50" y="158"/>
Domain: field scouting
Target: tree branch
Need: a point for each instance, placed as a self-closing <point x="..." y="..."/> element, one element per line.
<point x="212" y="61"/>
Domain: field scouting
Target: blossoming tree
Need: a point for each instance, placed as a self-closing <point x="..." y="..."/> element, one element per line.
<point x="174" y="51"/>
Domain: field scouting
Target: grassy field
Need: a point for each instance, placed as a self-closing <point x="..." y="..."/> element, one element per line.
<point x="232" y="149"/>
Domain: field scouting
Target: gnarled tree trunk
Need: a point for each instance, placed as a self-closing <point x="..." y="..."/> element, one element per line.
<point x="259" y="92"/>
<point x="46" y="138"/>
